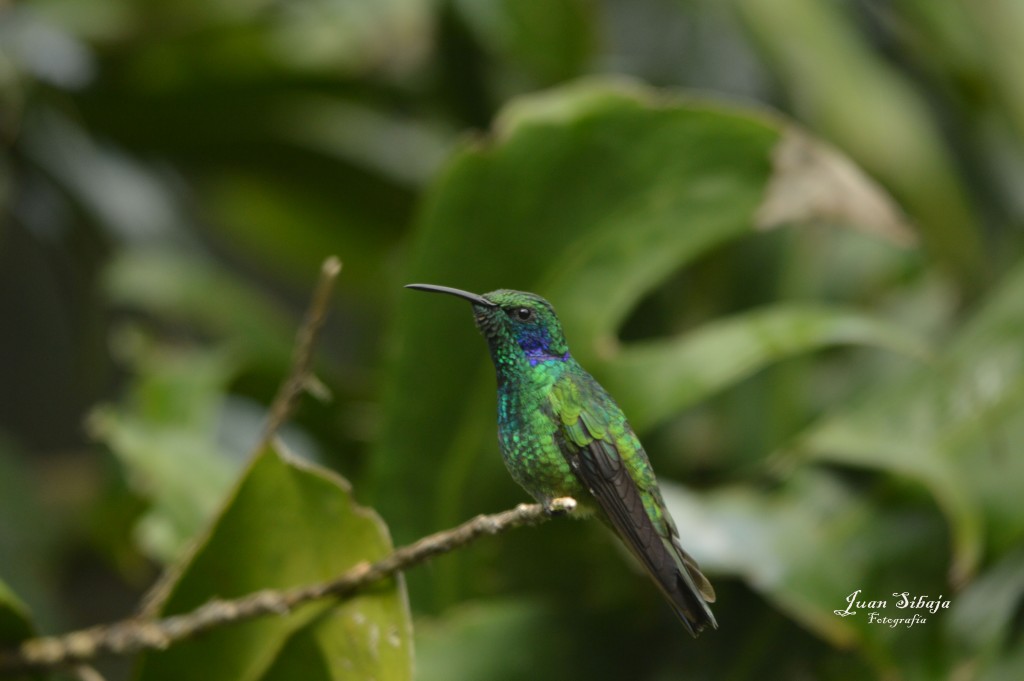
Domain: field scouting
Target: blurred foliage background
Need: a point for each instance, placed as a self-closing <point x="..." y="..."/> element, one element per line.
<point x="786" y="235"/>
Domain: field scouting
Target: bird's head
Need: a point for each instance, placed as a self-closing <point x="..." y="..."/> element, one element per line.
<point x="517" y="325"/>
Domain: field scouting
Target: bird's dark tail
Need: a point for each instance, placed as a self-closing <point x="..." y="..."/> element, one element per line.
<point x="687" y="589"/>
<point x="672" y="569"/>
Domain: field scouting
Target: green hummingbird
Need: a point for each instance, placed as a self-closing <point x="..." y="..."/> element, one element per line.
<point x="562" y="435"/>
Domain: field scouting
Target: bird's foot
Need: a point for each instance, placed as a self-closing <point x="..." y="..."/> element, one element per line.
<point x="560" y="506"/>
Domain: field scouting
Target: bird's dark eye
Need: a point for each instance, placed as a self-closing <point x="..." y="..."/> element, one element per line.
<point x="524" y="314"/>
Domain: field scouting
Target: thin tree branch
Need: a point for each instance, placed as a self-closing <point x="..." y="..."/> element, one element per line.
<point x="135" y="635"/>
<point x="285" y="401"/>
<point x="299" y="376"/>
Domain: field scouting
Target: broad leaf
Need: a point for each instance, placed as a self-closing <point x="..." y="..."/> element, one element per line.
<point x="286" y="524"/>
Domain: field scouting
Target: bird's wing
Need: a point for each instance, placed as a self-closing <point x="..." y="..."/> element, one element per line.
<point x="590" y="430"/>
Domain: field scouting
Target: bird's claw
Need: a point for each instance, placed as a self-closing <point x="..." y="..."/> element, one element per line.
<point x="560" y="506"/>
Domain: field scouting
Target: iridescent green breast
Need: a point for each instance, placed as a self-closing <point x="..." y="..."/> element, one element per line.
<point x="530" y="434"/>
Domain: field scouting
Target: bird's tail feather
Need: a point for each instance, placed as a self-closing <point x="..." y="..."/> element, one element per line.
<point x="602" y="471"/>
<point x="687" y="589"/>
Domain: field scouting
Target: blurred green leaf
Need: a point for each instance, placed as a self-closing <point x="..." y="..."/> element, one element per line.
<point x="400" y="148"/>
<point x="941" y="35"/>
<point x="1007" y="667"/>
<point x="27" y="538"/>
<point x="810" y="543"/>
<point x="288" y="523"/>
<point x="487" y="640"/>
<point x="948" y="426"/>
<point x="388" y="37"/>
<point x="983" y="615"/>
<point x="166" y="440"/>
<point x="14" y="620"/>
<point x="125" y="197"/>
<point x="891" y="133"/>
<point x="254" y="211"/>
<point x="182" y="45"/>
<point x="15" y="625"/>
<point x="183" y="288"/>
<point x="656" y="379"/>
<point x="551" y="40"/>
<point x="1000" y="29"/>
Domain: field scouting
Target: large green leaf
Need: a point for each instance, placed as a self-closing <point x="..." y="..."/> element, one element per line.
<point x="286" y="524"/>
<point x="949" y="426"/>
<point x="592" y="195"/>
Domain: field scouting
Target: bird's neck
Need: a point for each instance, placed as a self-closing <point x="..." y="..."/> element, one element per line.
<point x="530" y="371"/>
<point x="535" y="356"/>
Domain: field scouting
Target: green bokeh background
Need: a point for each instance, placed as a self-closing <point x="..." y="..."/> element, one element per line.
<point x="786" y="235"/>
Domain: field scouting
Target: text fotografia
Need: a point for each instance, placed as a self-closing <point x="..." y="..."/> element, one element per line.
<point x="917" y="605"/>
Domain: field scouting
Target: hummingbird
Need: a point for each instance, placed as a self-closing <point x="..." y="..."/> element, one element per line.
<point x="562" y="435"/>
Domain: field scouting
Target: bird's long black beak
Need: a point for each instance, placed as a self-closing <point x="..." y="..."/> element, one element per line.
<point x="466" y="295"/>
